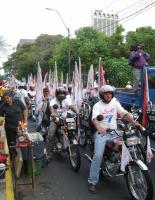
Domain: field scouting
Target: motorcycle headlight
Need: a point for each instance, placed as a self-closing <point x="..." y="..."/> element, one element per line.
<point x="133" y="141"/>
<point x="21" y="138"/>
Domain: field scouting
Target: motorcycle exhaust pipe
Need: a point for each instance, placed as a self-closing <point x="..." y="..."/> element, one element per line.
<point x="89" y="158"/>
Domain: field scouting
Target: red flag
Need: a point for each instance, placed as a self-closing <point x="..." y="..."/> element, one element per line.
<point x="101" y="73"/>
<point x="145" y="100"/>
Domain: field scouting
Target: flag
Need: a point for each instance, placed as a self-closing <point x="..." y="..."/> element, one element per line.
<point x="101" y="73"/>
<point x="77" y="86"/>
<point x="45" y="80"/>
<point x="39" y="89"/>
<point x="90" y="81"/>
<point x="149" y="154"/>
<point x="80" y="86"/>
<point x="50" y="84"/>
<point x="125" y="158"/>
<point x="145" y="100"/>
<point x="55" y="81"/>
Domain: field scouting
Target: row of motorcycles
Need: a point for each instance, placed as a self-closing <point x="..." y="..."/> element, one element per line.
<point x="69" y="138"/>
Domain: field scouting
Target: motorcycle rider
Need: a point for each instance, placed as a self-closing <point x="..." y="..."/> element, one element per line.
<point x="109" y="108"/>
<point x="63" y="104"/>
<point x="31" y="92"/>
<point x="45" y="111"/>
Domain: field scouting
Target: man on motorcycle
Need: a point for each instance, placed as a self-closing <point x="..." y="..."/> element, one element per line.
<point x="109" y="108"/>
<point x="58" y="105"/>
<point x="45" y="112"/>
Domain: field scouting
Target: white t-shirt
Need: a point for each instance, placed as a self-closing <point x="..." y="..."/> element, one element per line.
<point x="65" y="104"/>
<point x="109" y="111"/>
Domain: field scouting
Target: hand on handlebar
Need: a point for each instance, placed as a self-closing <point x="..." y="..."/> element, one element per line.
<point x="139" y="126"/>
<point x="53" y="115"/>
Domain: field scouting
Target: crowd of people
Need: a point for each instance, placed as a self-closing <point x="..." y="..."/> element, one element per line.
<point x="16" y="105"/>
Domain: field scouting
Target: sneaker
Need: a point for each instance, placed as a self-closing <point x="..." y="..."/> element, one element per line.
<point x="92" y="188"/>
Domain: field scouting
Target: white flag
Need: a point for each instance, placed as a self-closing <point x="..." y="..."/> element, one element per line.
<point x="126" y="157"/>
<point x="90" y="81"/>
<point x="39" y="89"/>
<point x="149" y="154"/>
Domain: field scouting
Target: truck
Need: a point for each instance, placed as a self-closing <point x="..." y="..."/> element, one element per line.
<point x="128" y="97"/>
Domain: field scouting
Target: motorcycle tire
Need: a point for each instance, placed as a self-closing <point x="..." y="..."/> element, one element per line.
<point x="141" y="153"/>
<point x="138" y="182"/>
<point x="82" y="140"/>
<point x="74" y="157"/>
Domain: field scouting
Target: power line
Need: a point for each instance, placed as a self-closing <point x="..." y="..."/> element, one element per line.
<point x="133" y="14"/>
<point x="114" y="1"/>
<point x="138" y="14"/>
<point x="135" y="5"/>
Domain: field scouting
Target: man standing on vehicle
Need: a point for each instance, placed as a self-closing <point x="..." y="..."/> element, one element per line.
<point x="138" y="59"/>
<point x="109" y="108"/>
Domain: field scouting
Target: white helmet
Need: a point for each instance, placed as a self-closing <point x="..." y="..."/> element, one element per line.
<point x="106" y="88"/>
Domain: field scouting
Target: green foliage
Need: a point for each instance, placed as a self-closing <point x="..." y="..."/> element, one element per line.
<point x="24" y="60"/>
<point x="117" y="71"/>
<point x="88" y="44"/>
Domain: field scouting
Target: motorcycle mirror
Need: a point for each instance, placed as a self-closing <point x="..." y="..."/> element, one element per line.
<point x="99" y="117"/>
<point x="55" y="106"/>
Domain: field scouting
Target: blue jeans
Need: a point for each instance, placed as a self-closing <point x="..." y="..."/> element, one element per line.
<point x="99" y="147"/>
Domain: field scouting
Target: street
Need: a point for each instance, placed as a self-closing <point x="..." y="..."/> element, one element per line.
<point x="59" y="182"/>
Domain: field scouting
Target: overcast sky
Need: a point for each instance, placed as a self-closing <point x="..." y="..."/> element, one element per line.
<point x="27" y="19"/>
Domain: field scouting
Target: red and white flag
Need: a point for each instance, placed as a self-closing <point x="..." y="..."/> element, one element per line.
<point x="149" y="154"/>
<point x="145" y="99"/>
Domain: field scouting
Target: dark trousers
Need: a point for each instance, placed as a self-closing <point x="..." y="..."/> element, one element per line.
<point x="11" y="134"/>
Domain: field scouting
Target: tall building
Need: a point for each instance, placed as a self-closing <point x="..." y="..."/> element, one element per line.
<point x="104" y="22"/>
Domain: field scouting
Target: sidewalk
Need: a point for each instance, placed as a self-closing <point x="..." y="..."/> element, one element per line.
<point x="6" y="187"/>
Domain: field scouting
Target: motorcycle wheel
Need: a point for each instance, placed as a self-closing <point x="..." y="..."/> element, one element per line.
<point x="141" y="154"/>
<point x="139" y="183"/>
<point x="74" y="157"/>
<point x="152" y="131"/>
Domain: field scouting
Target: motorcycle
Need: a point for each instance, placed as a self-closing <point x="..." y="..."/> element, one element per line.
<point x="65" y="138"/>
<point x="86" y="127"/>
<point x="151" y="116"/>
<point x="136" y="173"/>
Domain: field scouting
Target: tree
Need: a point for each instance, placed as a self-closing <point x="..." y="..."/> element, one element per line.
<point x="117" y="71"/>
<point x="89" y="45"/>
<point x="27" y="56"/>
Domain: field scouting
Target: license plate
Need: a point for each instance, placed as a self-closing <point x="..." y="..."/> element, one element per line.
<point x="69" y="120"/>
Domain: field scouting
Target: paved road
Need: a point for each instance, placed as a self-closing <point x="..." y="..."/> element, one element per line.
<point x="59" y="182"/>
